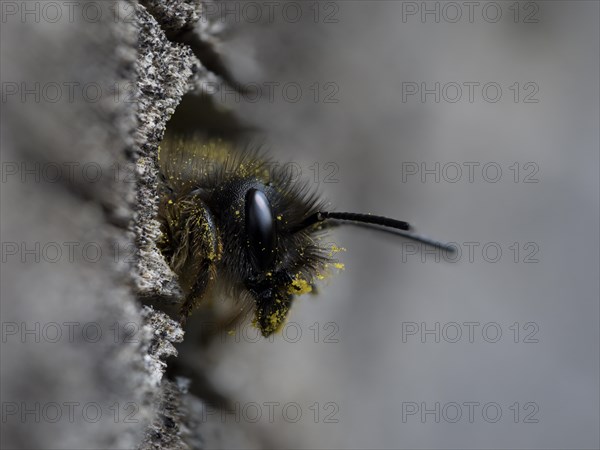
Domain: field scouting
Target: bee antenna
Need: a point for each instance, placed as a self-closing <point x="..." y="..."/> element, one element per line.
<point x="373" y="220"/>
<point x="355" y="217"/>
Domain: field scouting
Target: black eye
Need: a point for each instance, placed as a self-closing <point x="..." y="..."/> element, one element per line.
<point x="260" y="228"/>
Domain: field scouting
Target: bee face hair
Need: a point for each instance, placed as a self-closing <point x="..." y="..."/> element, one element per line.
<point x="236" y="221"/>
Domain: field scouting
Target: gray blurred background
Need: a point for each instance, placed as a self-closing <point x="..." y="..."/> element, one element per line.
<point x="378" y="369"/>
<point x="406" y="347"/>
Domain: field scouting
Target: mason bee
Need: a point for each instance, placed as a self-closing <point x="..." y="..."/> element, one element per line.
<point x="235" y="224"/>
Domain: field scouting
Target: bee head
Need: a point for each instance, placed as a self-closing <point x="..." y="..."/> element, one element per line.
<point x="263" y="250"/>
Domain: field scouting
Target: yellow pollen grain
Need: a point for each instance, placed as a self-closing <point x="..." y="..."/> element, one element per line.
<point x="335" y="249"/>
<point x="274" y="319"/>
<point x="300" y="286"/>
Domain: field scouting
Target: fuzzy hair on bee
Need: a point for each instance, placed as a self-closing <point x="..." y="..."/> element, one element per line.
<point x="230" y="227"/>
<point x="236" y="224"/>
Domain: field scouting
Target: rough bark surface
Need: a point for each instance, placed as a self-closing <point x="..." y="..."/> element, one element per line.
<point x="142" y="77"/>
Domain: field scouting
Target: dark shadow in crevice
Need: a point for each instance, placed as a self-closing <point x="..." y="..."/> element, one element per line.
<point x="199" y="114"/>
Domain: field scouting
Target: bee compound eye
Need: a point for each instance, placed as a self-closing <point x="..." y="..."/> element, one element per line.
<point x="260" y="228"/>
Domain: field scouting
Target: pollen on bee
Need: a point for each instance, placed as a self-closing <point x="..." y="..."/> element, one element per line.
<point x="300" y="286"/>
<point x="336" y="249"/>
<point x="276" y="320"/>
<point x="327" y="272"/>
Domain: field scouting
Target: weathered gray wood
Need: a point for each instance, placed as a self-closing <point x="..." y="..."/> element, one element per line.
<point x="141" y="76"/>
